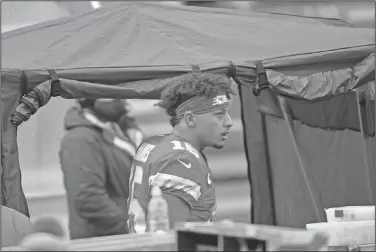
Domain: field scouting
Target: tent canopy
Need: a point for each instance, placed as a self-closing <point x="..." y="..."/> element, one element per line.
<point x="147" y="34"/>
<point x="133" y="50"/>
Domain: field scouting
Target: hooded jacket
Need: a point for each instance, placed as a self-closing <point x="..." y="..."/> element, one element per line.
<point x="96" y="161"/>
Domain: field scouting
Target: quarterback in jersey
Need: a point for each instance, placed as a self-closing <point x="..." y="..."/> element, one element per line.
<point x="199" y="108"/>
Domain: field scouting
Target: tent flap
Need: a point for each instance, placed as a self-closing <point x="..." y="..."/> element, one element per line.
<point x="255" y="141"/>
<point x="322" y="85"/>
<point x="335" y="113"/>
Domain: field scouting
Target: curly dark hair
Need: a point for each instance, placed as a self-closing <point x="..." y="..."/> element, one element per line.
<point x="193" y="84"/>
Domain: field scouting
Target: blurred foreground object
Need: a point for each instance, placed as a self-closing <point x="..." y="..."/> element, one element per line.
<point x="350" y="213"/>
<point x="349" y="227"/>
<point x="14" y="226"/>
<point x="346" y="234"/>
<point x="47" y="234"/>
<point x="368" y="247"/>
<point x="232" y="236"/>
<point x="50" y="225"/>
<point x="127" y="242"/>
<point x="158" y="220"/>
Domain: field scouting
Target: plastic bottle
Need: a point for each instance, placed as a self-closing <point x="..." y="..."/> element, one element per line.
<point x="158" y="219"/>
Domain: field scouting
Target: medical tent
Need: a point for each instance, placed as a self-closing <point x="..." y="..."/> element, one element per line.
<point x="307" y="92"/>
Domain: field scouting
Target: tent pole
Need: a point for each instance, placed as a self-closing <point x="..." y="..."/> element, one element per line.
<point x="268" y="166"/>
<point x="290" y="126"/>
<point x="362" y="115"/>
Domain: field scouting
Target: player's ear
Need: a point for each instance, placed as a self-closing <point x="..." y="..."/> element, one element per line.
<point x="190" y="119"/>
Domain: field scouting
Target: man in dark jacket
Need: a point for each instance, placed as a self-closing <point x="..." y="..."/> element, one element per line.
<point x="96" y="157"/>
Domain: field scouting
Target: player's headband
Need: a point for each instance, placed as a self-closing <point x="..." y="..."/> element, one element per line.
<point x="202" y="105"/>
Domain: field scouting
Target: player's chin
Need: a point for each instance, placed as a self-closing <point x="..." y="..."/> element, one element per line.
<point x="219" y="145"/>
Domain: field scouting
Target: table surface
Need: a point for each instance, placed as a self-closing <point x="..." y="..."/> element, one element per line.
<point x="129" y="242"/>
<point x="274" y="236"/>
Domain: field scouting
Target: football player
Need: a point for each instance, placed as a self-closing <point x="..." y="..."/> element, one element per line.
<point x="198" y="104"/>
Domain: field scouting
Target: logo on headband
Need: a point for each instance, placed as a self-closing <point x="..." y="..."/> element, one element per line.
<point x="220" y="99"/>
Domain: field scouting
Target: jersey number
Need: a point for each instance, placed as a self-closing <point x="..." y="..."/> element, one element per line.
<point x="178" y="145"/>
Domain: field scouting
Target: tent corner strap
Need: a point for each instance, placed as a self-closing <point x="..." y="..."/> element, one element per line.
<point x="261" y="82"/>
<point x="36" y="98"/>
<point x="54" y="83"/>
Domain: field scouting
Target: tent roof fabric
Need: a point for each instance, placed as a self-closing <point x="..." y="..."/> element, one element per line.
<point x="150" y="34"/>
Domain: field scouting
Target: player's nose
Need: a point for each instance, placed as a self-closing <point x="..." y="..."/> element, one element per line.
<point x="228" y="121"/>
